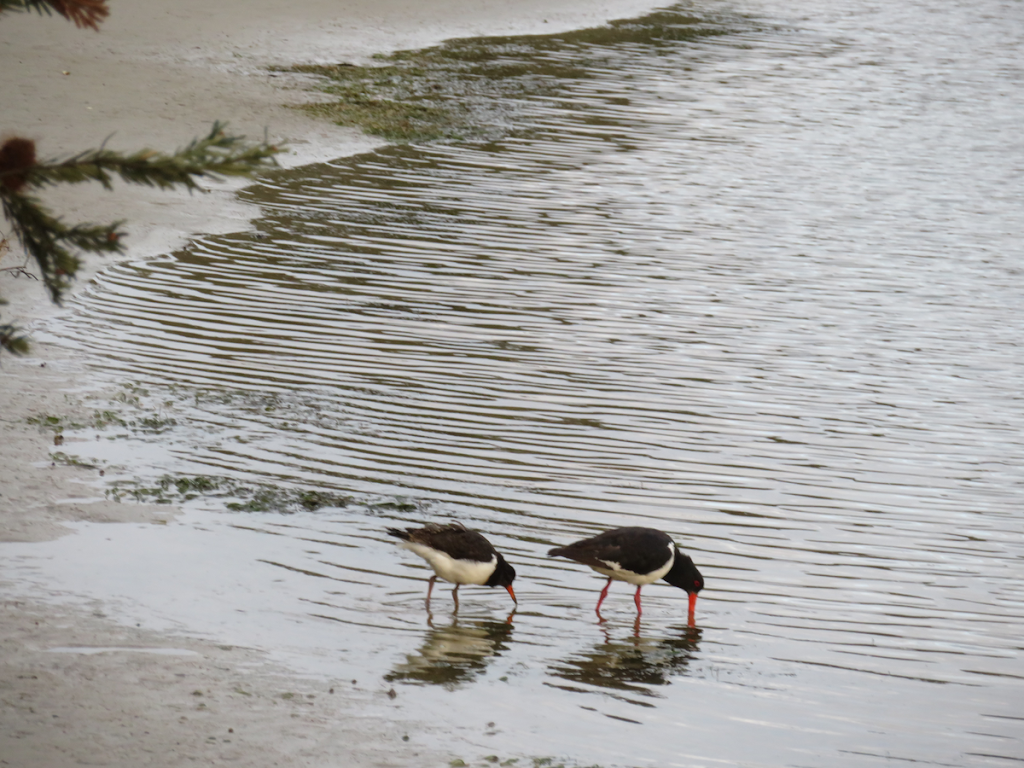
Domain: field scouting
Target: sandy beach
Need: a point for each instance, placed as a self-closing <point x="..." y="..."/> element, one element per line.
<point x="76" y="688"/>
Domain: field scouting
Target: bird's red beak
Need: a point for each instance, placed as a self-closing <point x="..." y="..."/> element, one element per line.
<point x="512" y="594"/>
<point x="693" y="602"/>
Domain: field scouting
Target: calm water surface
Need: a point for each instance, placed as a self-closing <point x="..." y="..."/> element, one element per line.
<point x="761" y="290"/>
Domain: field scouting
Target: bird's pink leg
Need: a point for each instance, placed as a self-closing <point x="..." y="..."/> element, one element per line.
<point x="455" y="594"/>
<point x="604" y="594"/>
<point x="636" y="599"/>
<point x="430" y="588"/>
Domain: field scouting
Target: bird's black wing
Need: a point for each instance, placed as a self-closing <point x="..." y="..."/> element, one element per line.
<point x="462" y="544"/>
<point x="640" y="550"/>
<point x="455" y="540"/>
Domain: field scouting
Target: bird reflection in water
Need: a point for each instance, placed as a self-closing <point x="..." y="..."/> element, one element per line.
<point x="456" y="654"/>
<point x="633" y="665"/>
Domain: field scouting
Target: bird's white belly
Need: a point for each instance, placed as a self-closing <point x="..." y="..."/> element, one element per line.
<point x="616" y="571"/>
<point x="452" y="570"/>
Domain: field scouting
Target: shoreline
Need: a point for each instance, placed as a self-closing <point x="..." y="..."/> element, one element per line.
<point x="158" y="77"/>
<point x="76" y="687"/>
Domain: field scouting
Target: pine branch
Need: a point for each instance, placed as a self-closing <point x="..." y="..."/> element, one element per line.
<point x="47" y="240"/>
<point x="12" y="340"/>
<point x="84" y="13"/>
<point x="51" y="243"/>
<point x="215" y="156"/>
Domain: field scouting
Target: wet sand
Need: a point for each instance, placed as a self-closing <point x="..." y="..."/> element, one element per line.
<point x="75" y="688"/>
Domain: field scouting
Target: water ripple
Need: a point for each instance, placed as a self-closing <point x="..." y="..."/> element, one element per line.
<point x="761" y="292"/>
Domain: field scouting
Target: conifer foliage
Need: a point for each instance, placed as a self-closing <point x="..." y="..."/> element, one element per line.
<point x="45" y="238"/>
<point x="84" y="13"/>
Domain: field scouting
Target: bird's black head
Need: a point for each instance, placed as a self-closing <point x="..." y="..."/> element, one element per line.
<point x="684" y="574"/>
<point x="503" y="576"/>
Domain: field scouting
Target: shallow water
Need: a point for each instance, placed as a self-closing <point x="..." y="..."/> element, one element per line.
<point x="759" y="290"/>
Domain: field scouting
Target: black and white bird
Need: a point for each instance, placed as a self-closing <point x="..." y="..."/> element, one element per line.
<point x="457" y="555"/>
<point x="639" y="556"/>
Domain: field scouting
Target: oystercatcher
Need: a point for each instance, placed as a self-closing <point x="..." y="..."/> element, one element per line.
<point x="458" y="555"/>
<point x="639" y="556"/>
